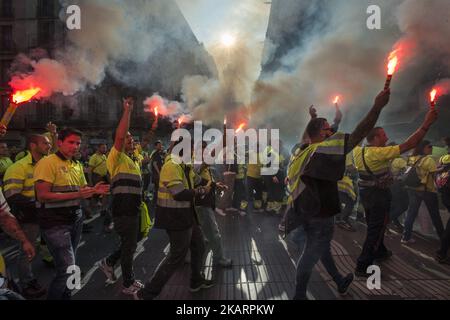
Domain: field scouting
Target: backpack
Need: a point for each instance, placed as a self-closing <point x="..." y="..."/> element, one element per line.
<point x="443" y="180"/>
<point x="410" y="177"/>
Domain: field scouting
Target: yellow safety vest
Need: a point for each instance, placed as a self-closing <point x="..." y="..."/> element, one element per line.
<point x="173" y="180"/>
<point x="2" y="267"/>
<point x="254" y="170"/>
<point x="125" y="173"/>
<point x="346" y="186"/>
<point x="98" y="164"/>
<point x="5" y="163"/>
<point x="241" y="172"/>
<point x="19" y="178"/>
<point x="335" y="145"/>
<point x="445" y="160"/>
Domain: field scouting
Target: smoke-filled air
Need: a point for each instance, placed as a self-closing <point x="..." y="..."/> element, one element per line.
<point x="335" y="54"/>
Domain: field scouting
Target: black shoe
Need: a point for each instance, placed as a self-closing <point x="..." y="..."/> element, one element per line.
<point x="201" y="284"/>
<point x="345" y="284"/>
<point x="443" y="259"/>
<point x="33" y="290"/>
<point x="396" y="225"/>
<point x="386" y="256"/>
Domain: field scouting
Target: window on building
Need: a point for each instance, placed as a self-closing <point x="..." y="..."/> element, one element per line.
<point x="6" y="9"/>
<point x="4" y="72"/>
<point x="46" y="33"/>
<point x="46" y="8"/>
<point x="6" y="38"/>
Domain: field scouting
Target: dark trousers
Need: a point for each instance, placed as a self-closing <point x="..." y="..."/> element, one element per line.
<point x="400" y="201"/>
<point x="146" y="177"/>
<point x="348" y="203"/>
<point x="155" y="191"/>
<point x="180" y="242"/>
<point x="127" y="228"/>
<point x="319" y="233"/>
<point x="255" y="187"/>
<point x="275" y="191"/>
<point x="432" y="203"/>
<point x="445" y="241"/>
<point x="377" y="203"/>
<point x="240" y="193"/>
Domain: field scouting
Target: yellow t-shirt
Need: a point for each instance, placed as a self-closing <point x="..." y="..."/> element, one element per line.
<point x="98" y="164"/>
<point x="426" y="168"/>
<point x="61" y="173"/>
<point x="19" y="178"/>
<point x="378" y="159"/>
<point x="398" y="165"/>
<point x="125" y="173"/>
<point x="64" y="175"/>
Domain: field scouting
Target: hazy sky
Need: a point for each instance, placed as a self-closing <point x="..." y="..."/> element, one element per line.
<point x="210" y="19"/>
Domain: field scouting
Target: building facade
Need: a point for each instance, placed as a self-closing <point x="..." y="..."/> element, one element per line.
<point x="26" y="25"/>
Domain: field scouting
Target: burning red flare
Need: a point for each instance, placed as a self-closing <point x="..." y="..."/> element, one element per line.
<point x="336" y="100"/>
<point x="393" y="62"/>
<point x="241" y="126"/>
<point x="156" y="111"/>
<point x="225" y="121"/>
<point x="433" y="94"/>
<point x="25" y="95"/>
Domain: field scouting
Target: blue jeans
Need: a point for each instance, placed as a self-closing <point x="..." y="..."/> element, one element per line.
<point x="211" y="232"/>
<point x="319" y="233"/>
<point x="24" y="266"/>
<point x="62" y="242"/>
<point x="432" y="203"/>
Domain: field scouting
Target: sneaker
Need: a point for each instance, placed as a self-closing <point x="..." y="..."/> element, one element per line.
<point x="108" y="270"/>
<point x="134" y="288"/>
<point x="408" y="242"/>
<point x="242" y="213"/>
<point x="109" y="228"/>
<point x="220" y="212"/>
<point x="201" y="284"/>
<point x="224" y="263"/>
<point x="33" y="290"/>
<point x="345" y="284"/>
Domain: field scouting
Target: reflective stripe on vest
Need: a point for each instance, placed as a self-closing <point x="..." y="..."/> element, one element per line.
<point x="170" y="203"/>
<point x="60" y="204"/>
